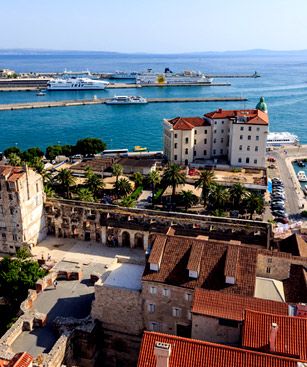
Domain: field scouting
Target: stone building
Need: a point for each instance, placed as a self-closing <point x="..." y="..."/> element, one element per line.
<point x="236" y="137"/>
<point x="22" y="218"/>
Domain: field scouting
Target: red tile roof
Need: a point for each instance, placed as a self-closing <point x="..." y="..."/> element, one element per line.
<point x="177" y="255"/>
<point x="157" y="251"/>
<point x="295" y="245"/>
<point x="188" y="123"/>
<point x="295" y="287"/>
<point x="291" y="334"/>
<point x="11" y="173"/>
<point x="255" y="117"/>
<point x="195" y="353"/>
<point x="21" y="360"/>
<point x="232" y="306"/>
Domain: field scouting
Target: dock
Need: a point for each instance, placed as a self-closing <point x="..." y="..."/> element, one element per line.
<point x="98" y="101"/>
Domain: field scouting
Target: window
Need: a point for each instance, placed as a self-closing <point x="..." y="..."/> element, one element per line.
<point x="222" y="140"/>
<point x="15" y="237"/>
<point x="241" y="137"/>
<point x="257" y="137"/>
<point x="186" y="151"/>
<point x="175" y="157"/>
<point x="240" y="160"/>
<point x="241" y="128"/>
<point x="188" y="297"/>
<point x="165" y="292"/>
<point x="249" y="128"/>
<point x="215" y="122"/>
<point x="247" y="160"/>
<point x="186" y="140"/>
<point x="10" y="196"/>
<point x="154" y="326"/>
<point x="248" y="148"/>
<point x="37" y="187"/>
<point x="222" y="122"/>
<point x="214" y="151"/>
<point x="206" y="131"/>
<point x="12" y="211"/>
<point x="214" y="131"/>
<point x="3" y="235"/>
<point x="151" y="308"/>
<point x="270" y="260"/>
<point x="214" y="140"/>
<point x="256" y="149"/>
<point x="255" y="161"/>
<point x="176" y="312"/>
<point x="222" y="131"/>
<point x="205" y="141"/>
<point x="153" y="290"/>
<point x="194" y="141"/>
<point x="175" y="136"/>
<point x="258" y="129"/>
<point x="229" y="323"/>
<point x="189" y="315"/>
<point x="195" y="132"/>
<point x="268" y="269"/>
<point x="249" y="137"/>
<point x="221" y="151"/>
<point x="240" y="147"/>
<point x="205" y="152"/>
<point x="194" y="153"/>
<point x="175" y="145"/>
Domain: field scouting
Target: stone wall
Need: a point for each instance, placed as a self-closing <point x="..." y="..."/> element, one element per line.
<point x="210" y="329"/>
<point x="56" y="356"/>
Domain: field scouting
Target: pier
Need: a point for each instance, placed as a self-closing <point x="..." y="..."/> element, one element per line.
<point x="97" y="101"/>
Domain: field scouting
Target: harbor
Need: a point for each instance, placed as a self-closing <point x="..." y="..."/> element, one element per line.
<point x="97" y="101"/>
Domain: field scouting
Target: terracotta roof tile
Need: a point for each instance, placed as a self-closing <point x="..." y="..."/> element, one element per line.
<point x="188" y="123"/>
<point x="291" y="334"/>
<point x="175" y="260"/>
<point x="157" y="250"/>
<point x="195" y="256"/>
<point x="21" y="360"/>
<point x="10" y="173"/>
<point x="232" y="306"/>
<point x="195" y="353"/>
<point x="295" y="287"/>
<point x="255" y="117"/>
<point x="231" y="261"/>
<point x="295" y="245"/>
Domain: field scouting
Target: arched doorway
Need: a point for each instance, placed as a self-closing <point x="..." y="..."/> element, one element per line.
<point x="139" y="240"/>
<point x="126" y="239"/>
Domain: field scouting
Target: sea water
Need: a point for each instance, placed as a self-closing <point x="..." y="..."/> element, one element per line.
<point x="283" y="83"/>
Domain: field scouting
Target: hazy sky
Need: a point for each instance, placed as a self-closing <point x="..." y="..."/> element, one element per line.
<point x="154" y="25"/>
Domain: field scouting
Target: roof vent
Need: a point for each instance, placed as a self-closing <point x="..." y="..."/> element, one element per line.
<point x="162" y="352"/>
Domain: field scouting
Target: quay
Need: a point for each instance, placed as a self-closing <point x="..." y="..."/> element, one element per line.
<point x="97" y="101"/>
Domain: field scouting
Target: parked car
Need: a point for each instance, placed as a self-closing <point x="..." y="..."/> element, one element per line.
<point x="280" y="213"/>
<point x="277" y="184"/>
<point x="281" y="220"/>
<point x="278" y="195"/>
<point x="276" y="202"/>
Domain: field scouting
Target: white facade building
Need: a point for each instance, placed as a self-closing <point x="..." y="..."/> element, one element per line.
<point x="234" y="136"/>
<point x="22" y="220"/>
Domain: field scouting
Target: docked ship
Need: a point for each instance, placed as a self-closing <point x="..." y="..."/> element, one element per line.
<point x="76" y="84"/>
<point x="168" y="77"/>
<point x="124" y="75"/>
<point x="282" y="138"/>
<point x="126" y="100"/>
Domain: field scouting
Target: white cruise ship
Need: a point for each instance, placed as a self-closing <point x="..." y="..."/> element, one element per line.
<point x="76" y="84"/>
<point x="168" y="77"/>
<point x="126" y="100"/>
<point x="283" y="138"/>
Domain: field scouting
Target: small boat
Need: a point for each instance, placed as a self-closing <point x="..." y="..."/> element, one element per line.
<point x="138" y="148"/>
<point x="300" y="163"/>
<point x="40" y="93"/>
<point x="126" y="100"/>
<point x="301" y="176"/>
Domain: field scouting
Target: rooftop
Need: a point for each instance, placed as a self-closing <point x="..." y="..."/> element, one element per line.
<point x="232" y="306"/>
<point x="125" y="276"/>
<point x="253" y="116"/>
<point x="11" y="173"/>
<point x="291" y="334"/>
<point x="188" y="123"/>
<point x="270" y="289"/>
<point x="295" y="245"/>
<point x="195" y="353"/>
<point x="136" y="162"/>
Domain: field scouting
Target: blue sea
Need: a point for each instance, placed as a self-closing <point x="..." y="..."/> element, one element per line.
<point x="283" y="83"/>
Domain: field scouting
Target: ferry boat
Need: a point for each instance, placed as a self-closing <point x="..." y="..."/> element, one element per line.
<point x="168" y="77"/>
<point x="126" y="100"/>
<point x="282" y="138"/>
<point x="301" y="176"/>
<point x="124" y="75"/>
<point x="76" y="84"/>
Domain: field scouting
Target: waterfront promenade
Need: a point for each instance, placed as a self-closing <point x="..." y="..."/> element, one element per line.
<point x="296" y="200"/>
<point x="96" y="101"/>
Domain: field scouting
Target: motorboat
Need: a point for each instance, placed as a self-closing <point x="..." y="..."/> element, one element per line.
<point x="301" y="176"/>
<point x="138" y="148"/>
<point x="126" y="100"/>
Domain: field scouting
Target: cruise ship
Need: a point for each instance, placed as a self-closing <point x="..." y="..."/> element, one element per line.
<point x="126" y="100"/>
<point x="76" y="84"/>
<point x="168" y="77"/>
<point x="282" y="138"/>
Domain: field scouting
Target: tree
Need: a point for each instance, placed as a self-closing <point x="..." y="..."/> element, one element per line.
<point x="188" y="198"/>
<point x="154" y="180"/>
<point x="117" y="170"/>
<point x="123" y="187"/>
<point x="138" y="179"/>
<point x="11" y="150"/>
<point x="173" y="177"/>
<point x="128" y="202"/>
<point x="50" y="193"/>
<point x="93" y="181"/>
<point x="85" y="194"/>
<point x="37" y="164"/>
<point x="66" y="180"/>
<point x="14" y="159"/>
<point x="52" y="151"/>
<point x="31" y="153"/>
<point x="23" y="253"/>
<point x="218" y="196"/>
<point x="90" y="146"/>
<point x="237" y="193"/>
<point x="254" y="203"/>
<point x="205" y="181"/>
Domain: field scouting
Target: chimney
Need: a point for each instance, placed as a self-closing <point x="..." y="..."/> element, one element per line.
<point x="273" y="334"/>
<point x="162" y="352"/>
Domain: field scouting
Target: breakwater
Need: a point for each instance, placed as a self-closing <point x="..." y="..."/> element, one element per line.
<point x="97" y="101"/>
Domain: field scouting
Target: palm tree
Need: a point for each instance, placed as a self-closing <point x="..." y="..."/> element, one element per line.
<point x="85" y="194"/>
<point x="37" y="164"/>
<point x="173" y="177"/>
<point x="93" y="181"/>
<point x="154" y="180"/>
<point x="117" y="170"/>
<point x="189" y="198"/>
<point x="128" y="202"/>
<point x="50" y="193"/>
<point x="138" y="179"/>
<point x="205" y="181"/>
<point x="14" y="159"/>
<point x="66" y="179"/>
<point x="218" y="197"/>
<point x="123" y="187"/>
<point x="237" y="193"/>
<point x="254" y="203"/>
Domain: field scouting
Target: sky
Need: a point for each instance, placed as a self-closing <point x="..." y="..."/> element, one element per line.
<point x="154" y="26"/>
